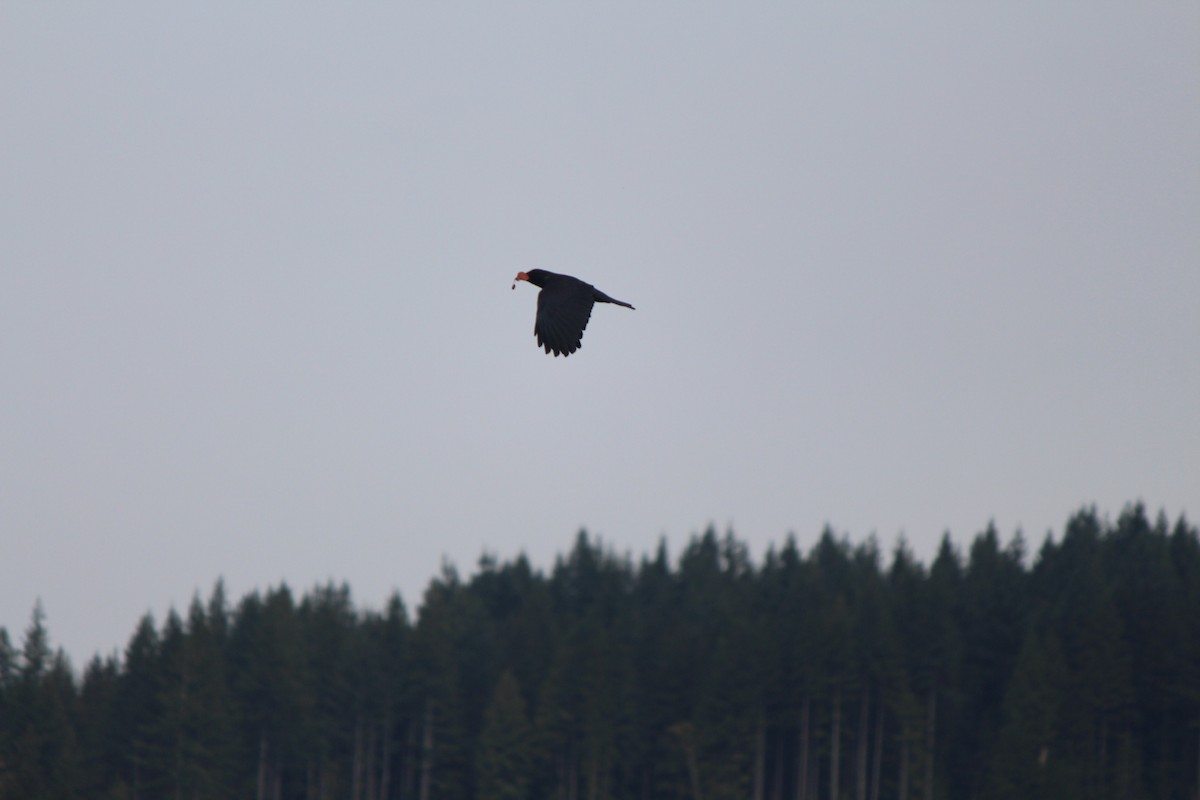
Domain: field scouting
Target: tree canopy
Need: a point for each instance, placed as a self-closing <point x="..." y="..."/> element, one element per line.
<point x="837" y="673"/>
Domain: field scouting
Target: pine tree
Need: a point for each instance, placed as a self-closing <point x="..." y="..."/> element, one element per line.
<point x="449" y="620"/>
<point x="204" y="711"/>
<point x="8" y="681"/>
<point x="993" y="623"/>
<point x="99" y="747"/>
<point x="137" y="712"/>
<point x="1027" y="761"/>
<point x="811" y="677"/>
<point x="505" y="757"/>
<point x="42" y="752"/>
<point x="267" y="678"/>
<point x="332" y="679"/>
<point x="1185" y="556"/>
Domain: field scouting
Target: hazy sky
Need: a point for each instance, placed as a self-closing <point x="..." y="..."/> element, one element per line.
<point x="897" y="269"/>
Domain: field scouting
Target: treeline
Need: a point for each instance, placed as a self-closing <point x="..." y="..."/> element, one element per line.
<point x="837" y="673"/>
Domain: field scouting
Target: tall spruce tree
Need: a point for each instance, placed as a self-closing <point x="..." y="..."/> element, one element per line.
<point x="1027" y="760"/>
<point x="810" y="677"/>
<point x="505" y="759"/>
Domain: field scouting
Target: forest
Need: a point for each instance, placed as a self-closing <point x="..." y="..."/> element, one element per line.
<point x="840" y="672"/>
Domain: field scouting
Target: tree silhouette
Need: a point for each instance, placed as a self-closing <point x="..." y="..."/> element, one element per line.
<point x="809" y="675"/>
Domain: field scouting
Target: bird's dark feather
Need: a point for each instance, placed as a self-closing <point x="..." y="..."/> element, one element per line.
<point x="563" y="310"/>
<point x="562" y="315"/>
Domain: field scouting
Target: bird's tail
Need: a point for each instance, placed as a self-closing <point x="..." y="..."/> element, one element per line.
<point x="601" y="297"/>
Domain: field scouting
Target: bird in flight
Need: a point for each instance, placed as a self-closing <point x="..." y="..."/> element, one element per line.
<point x="563" y="309"/>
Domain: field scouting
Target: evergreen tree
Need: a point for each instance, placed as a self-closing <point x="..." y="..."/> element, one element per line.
<point x="449" y="618"/>
<point x="810" y="676"/>
<point x="99" y="748"/>
<point x="267" y="679"/>
<point x="993" y="621"/>
<point x="1027" y="761"/>
<point x="197" y="716"/>
<point x="505" y="757"/>
<point x="1145" y="590"/>
<point x="42" y="748"/>
<point x="332" y="680"/>
<point x="664" y="665"/>
<point x="8" y="681"/>
<point x="137" y="713"/>
<point x="1185" y="556"/>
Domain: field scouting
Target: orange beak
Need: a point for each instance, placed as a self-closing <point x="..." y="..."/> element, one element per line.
<point x="521" y="276"/>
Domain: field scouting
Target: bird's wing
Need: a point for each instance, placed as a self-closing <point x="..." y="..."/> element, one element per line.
<point x="562" y="314"/>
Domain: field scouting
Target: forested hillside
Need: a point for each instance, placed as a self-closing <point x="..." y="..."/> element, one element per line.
<point x="840" y="672"/>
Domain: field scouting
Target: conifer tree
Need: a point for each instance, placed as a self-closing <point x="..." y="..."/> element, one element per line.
<point x="505" y="757"/>
<point x="1027" y="761"/>
<point x="811" y="676"/>
<point x="42" y="747"/>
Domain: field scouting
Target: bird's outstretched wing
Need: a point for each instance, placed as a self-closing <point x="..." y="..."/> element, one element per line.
<point x="563" y="312"/>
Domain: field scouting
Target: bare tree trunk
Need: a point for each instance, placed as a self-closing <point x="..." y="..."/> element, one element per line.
<point x="864" y="721"/>
<point x="408" y="764"/>
<point x="385" y="769"/>
<point x="593" y="775"/>
<point x="573" y="774"/>
<point x="356" y="762"/>
<point x="903" y="779"/>
<point x="261" y="788"/>
<point x="760" y="758"/>
<point x="1198" y="758"/>
<point x="685" y="732"/>
<point x="1197" y="794"/>
<point x="1102" y="770"/>
<point x="802" y="765"/>
<point x="372" y="755"/>
<point x="930" y="729"/>
<point x="1164" y="762"/>
<point x="777" y="778"/>
<point x="1125" y="771"/>
<point x="835" y="745"/>
<point x="427" y="751"/>
<point x="877" y="767"/>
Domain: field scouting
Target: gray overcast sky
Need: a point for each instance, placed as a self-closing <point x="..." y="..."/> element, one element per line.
<point x="899" y="269"/>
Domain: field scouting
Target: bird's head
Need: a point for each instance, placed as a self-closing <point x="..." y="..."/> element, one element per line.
<point x="534" y="276"/>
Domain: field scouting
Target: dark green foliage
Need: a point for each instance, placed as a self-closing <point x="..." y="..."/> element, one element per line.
<point x="505" y="745"/>
<point x="810" y="675"/>
<point x="39" y="753"/>
<point x="1029" y="759"/>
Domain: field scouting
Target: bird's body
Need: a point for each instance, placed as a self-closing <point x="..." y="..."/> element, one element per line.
<point x="563" y="310"/>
